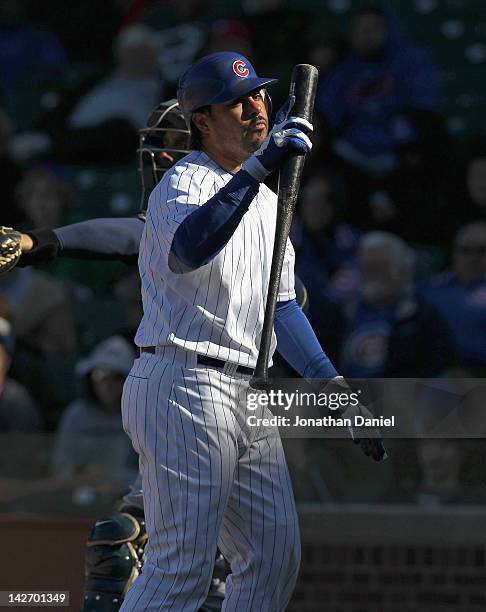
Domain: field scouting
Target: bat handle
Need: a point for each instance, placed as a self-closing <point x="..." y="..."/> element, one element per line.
<point x="260" y="380"/>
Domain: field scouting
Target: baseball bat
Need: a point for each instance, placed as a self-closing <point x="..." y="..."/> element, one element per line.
<point x="303" y="86"/>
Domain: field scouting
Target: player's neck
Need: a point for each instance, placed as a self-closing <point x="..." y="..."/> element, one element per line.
<point x="225" y="160"/>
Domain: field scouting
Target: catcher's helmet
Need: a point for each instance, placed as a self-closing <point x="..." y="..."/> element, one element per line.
<point x="217" y="78"/>
<point x="163" y="141"/>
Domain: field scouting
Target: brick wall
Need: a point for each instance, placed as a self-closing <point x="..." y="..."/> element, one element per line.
<point x="400" y="559"/>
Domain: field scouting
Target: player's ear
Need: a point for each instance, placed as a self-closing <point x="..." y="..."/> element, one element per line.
<point x="201" y="121"/>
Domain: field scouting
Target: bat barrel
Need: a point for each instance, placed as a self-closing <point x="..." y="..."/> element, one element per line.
<point x="303" y="86"/>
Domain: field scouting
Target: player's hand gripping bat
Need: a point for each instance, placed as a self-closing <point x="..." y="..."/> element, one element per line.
<point x="303" y="86"/>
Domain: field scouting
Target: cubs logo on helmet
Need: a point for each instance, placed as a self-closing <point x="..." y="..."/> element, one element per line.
<point x="218" y="78"/>
<point x="240" y="69"/>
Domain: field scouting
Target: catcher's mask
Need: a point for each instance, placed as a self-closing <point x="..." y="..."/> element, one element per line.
<point x="163" y="141"/>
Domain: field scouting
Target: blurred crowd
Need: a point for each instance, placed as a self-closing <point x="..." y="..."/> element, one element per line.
<point x="389" y="232"/>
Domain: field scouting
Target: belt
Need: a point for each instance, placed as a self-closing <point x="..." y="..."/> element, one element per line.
<point x="220" y="364"/>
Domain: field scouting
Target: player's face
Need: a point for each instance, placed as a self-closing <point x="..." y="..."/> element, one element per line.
<point x="251" y="113"/>
<point x="236" y="129"/>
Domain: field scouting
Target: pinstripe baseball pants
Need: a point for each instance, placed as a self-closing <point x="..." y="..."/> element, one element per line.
<point x="209" y="480"/>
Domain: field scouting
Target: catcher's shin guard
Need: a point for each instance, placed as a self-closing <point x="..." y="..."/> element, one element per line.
<point x="113" y="560"/>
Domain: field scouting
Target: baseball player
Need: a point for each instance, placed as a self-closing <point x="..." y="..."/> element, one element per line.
<point x="208" y="478"/>
<point x="114" y="554"/>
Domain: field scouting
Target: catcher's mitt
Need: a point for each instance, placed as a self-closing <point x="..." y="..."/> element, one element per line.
<point x="10" y="250"/>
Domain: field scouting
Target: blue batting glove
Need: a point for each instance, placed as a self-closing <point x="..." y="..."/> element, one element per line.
<point x="288" y="136"/>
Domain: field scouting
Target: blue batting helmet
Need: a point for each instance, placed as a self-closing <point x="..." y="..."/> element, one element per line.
<point x="216" y="78"/>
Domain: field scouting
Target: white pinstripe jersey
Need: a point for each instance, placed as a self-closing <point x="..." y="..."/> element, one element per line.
<point x="218" y="309"/>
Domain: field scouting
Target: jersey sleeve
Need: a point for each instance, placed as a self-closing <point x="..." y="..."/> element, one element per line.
<point x="176" y="197"/>
<point x="286" y="289"/>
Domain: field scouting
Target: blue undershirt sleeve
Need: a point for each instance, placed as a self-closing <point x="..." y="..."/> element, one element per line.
<point x="298" y="344"/>
<point x="110" y="239"/>
<point x="204" y="232"/>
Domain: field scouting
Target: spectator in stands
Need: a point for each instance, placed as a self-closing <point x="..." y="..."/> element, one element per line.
<point x="325" y="242"/>
<point x="133" y="88"/>
<point x="418" y="191"/>
<point x="182" y="31"/>
<point x="26" y="53"/>
<point x="390" y="331"/>
<point x="444" y="472"/>
<point x="442" y="463"/>
<point x="102" y="126"/>
<point x="231" y="34"/>
<point x="18" y="411"/>
<point x="429" y="184"/>
<point x="90" y="439"/>
<point x="43" y="199"/>
<point x="383" y="75"/>
<point x="326" y="254"/>
<point x="43" y="322"/>
<point x="325" y="54"/>
<point x="459" y="294"/>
